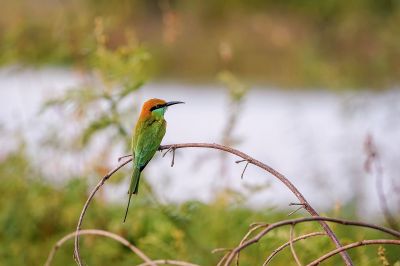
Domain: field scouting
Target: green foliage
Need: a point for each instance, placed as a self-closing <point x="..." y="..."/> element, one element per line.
<point x="121" y="71"/>
<point x="35" y="214"/>
<point x="334" y="44"/>
<point x="236" y="88"/>
<point x="125" y="66"/>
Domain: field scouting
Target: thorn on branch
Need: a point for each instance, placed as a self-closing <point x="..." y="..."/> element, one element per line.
<point x="296" y="210"/>
<point x="165" y="153"/>
<point x="245" y="167"/>
<point x="298" y="204"/>
<point x="172" y="149"/>
<point x="173" y="158"/>
<point x="302" y="205"/>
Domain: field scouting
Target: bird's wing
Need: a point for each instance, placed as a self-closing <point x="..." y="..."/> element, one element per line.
<point x="148" y="141"/>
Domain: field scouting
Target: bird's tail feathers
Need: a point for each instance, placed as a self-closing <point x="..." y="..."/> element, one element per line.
<point x="133" y="188"/>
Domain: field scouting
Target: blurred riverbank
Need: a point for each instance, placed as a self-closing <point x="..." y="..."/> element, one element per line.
<point x="307" y="44"/>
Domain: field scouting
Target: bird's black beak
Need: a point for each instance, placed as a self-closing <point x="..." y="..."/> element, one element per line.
<point x="172" y="103"/>
<point x="164" y="105"/>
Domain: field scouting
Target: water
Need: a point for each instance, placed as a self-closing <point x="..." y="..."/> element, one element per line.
<point x="315" y="138"/>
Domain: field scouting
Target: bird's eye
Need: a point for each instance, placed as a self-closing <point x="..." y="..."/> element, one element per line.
<point x="156" y="107"/>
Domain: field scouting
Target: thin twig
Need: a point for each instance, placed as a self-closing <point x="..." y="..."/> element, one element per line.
<point x="296" y="204"/>
<point x="245" y="167"/>
<point x="244" y="170"/>
<point x="78" y="227"/>
<point x="353" y="245"/>
<point x="258" y="223"/>
<point x="296" y="210"/>
<point x="252" y="229"/>
<point x="275" y="173"/>
<point x="118" y="238"/>
<point x="123" y="157"/>
<point x="173" y="158"/>
<point x="302" y="220"/>
<point x="216" y="250"/>
<point x="276" y="251"/>
<point x="165" y="153"/>
<point x="292" y="247"/>
<point x="172" y="149"/>
<point x="221" y="261"/>
<point x="371" y="161"/>
<point x="251" y="160"/>
<point x="168" y="262"/>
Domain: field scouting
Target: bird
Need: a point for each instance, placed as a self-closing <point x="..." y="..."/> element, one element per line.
<point x="147" y="136"/>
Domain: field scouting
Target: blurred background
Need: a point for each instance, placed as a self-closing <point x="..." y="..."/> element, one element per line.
<point x="310" y="88"/>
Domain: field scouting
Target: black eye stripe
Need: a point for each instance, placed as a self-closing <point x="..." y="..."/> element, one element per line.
<point x="157" y="107"/>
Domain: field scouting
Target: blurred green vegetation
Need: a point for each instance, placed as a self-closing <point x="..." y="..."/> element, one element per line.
<point x="329" y="44"/>
<point x="35" y="214"/>
<point x="119" y="72"/>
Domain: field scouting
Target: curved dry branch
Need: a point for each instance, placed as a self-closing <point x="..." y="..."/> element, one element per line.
<point x="244" y="156"/>
<point x="354" y="245"/>
<point x="275" y="173"/>
<point x="223" y="258"/>
<point x="226" y="250"/>
<point x="246" y="236"/>
<point x="276" y="251"/>
<point x="78" y="227"/>
<point x="302" y="220"/>
<point x="113" y="236"/>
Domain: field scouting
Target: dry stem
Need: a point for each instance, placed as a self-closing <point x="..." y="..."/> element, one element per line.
<point x="118" y="238"/>
<point x="246" y="236"/>
<point x="275" y="173"/>
<point x="291" y="245"/>
<point x="302" y="220"/>
<point x="276" y="251"/>
<point x="373" y="159"/>
<point x="353" y="245"/>
<point x="244" y="156"/>
<point x="78" y="227"/>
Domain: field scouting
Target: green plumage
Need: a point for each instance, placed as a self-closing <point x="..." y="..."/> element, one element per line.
<point x="149" y="132"/>
<point x="145" y="142"/>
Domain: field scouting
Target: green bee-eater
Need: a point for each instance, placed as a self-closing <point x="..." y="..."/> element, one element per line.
<point x="149" y="131"/>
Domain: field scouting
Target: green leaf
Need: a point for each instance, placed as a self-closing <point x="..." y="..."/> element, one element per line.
<point x="96" y="126"/>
